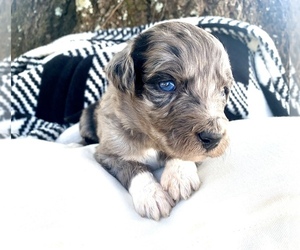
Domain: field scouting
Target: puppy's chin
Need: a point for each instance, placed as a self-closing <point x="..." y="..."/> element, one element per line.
<point x="192" y="150"/>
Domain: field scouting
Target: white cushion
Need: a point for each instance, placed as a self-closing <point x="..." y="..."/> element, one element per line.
<point x="55" y="196"/>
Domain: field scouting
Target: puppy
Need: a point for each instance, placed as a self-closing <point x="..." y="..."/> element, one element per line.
<point x="166" y="97"/>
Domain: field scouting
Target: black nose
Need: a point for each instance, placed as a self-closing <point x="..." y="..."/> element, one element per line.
<point x="209" y="140"/>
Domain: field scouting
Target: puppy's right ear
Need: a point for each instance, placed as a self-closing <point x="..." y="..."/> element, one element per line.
<point x="120" y="70"/>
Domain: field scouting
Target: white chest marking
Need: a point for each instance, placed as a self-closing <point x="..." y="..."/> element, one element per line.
<point x="149" y="157"/>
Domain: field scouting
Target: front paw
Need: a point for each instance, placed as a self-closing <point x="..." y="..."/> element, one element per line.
<point x="180" y="179"/>
<point x="149" y="198"/>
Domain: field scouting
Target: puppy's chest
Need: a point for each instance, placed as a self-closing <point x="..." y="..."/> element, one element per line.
<point x="151" y="157"/>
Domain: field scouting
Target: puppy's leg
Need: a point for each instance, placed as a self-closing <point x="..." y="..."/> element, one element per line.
<point x="180" y="178"/>
<point x="88" y="125"/>
<point x="149" y="198"/>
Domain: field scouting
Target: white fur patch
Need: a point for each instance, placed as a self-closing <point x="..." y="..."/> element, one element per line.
<point x="149" y="157"/>
<point x="180" y="179"/>
<point x="149" y="198"/>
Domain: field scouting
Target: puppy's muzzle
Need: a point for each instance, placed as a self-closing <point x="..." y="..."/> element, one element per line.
<point x="209" y="140"/>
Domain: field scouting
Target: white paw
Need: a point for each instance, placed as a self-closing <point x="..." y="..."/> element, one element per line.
<point x="149" y="198"/>
<point x="180" y="179"/>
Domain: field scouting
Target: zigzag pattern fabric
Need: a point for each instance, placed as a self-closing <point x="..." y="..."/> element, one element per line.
<point x="51" y="85"/>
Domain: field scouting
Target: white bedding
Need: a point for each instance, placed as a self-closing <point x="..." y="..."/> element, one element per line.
<point x="55" y="196"/>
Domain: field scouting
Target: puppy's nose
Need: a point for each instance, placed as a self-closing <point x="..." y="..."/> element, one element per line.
<point x="209" y="140"/>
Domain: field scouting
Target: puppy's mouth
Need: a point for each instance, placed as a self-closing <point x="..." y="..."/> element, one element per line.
<point x="198" y="146"/>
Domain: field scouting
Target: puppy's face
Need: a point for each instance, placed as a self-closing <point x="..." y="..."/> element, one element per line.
<point x="177" y="78"/>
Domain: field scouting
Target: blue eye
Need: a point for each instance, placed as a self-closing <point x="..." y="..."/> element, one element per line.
<point x="167" y="86"/>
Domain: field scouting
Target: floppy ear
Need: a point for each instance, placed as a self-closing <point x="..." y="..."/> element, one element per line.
<point x="120" y="70"/>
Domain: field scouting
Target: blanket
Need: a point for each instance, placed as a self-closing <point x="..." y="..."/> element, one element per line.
<point x="61" y="199"/>
<point x="51" y="85"/>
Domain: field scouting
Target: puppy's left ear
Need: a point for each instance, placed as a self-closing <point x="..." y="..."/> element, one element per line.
<point x="120" y="70"/>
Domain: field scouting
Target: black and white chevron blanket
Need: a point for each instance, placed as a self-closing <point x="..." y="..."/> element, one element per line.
<point x="51" y="85"/>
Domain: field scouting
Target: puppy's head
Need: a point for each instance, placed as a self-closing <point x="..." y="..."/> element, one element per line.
<point x="177" y="78"/>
